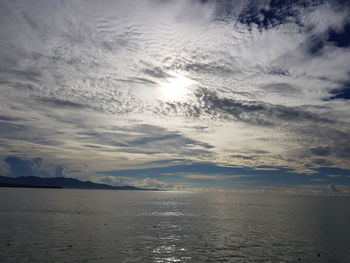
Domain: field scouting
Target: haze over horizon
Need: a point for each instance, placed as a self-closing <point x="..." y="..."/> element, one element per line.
<point x="166" y="94"/>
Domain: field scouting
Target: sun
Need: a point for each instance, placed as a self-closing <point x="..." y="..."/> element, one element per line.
<point x="176" y="87"/>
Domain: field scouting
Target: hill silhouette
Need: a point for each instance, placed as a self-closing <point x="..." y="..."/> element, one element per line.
<point x="59" y="182"/>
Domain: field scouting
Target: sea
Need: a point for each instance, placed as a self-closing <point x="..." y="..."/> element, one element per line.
<point x="62" y="225"/>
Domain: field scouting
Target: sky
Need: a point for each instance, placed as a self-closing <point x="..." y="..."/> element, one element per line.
<point x="177" y="94"/>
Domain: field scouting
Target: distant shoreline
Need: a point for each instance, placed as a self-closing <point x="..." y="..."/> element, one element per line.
<point x="28" y="186"/>
<point x="60" y="183"/>
<point x="72" y="188"/>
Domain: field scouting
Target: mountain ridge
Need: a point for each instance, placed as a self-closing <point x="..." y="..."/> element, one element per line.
<point x="60" y="182"/>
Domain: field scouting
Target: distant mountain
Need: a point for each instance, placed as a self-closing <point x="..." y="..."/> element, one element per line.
<point x="59" y="182"/>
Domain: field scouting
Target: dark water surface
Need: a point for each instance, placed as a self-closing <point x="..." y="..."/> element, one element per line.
<point x="56" y="225"/>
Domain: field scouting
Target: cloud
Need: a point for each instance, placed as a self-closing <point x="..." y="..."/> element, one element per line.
<point x="83" y="84"/>
<point x="147" y="183"/>
<point x="342" y="92"/>
<point x="34" y="167"/>
<point x="215" y="177"/>
<point x="283" y="88"/>
<point x="208" y="104"/>
<point x="305" y="190"/>
<point x="267" y="14"/>
<point x="62" y="103"/>
<point x="334" y="175"/>
<point x="153" y="183"/>
<point x="318" y="180"/>
<point x="148" y="139"/>
<point x="320" y="151"/>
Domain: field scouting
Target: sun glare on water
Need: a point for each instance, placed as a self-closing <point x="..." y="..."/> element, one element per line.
<point x="176" y="87"/>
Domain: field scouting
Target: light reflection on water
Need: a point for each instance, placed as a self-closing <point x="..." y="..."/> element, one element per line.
<point x="49" y="225"/>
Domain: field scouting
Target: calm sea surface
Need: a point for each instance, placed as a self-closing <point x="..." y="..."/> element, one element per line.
<point x="55" y="225"/>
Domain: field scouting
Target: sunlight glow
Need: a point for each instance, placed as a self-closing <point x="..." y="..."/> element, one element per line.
<point x="176" y="87"/>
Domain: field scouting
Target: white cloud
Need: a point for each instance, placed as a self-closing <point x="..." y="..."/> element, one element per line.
<point x="147" y="183"/>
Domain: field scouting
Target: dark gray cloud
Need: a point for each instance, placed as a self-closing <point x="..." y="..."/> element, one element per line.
<point x="282" y="88"/>
<point x="321" y="151"/>
<point x="148" y="139"/>
<point x="239" y="156"/>
<point x="63" y="103"/>
<point x="28" y="74"/>
<point x="154" y="71"/>
<point x="322" y="162"/>
<point x="32" y="167"/>
<point x="212" y="68"/>
<point x="334" y="141"/>
<point x="9" y="118"/>
<point x="142" y="81"/>
<point x="168" y="162"/>
<point x="28" y="133"/>
<point x="208" y="103"/>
